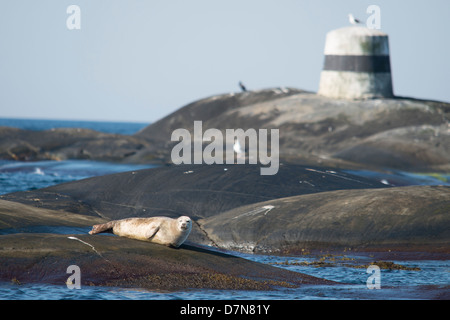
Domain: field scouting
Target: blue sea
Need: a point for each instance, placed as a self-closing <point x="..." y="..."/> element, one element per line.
<point x="431" y="282"/>
<point x="46" y="124"/>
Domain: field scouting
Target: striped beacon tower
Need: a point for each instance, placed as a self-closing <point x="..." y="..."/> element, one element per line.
<point x="357" y="64"/>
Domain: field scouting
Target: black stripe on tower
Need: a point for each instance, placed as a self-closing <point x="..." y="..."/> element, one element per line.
<point x="354" y="63"/>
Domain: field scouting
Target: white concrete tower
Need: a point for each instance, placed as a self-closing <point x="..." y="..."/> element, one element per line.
<point x="357" y="64"/>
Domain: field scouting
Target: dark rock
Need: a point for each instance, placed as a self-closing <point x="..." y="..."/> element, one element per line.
<point x="403" y="218"/>
<point x="197" y="191"/>
<point x="17" y="215"/>
<point x="116" y="261"/>
<point x="66" y="143"/>
<point x="233" y="206"/>
<point x="403" y="133"/>
<point x="213" y="111"/>
<point x="421" y="147"/>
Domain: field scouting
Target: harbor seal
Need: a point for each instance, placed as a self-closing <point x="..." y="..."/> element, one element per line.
<point x="161" y="230"/>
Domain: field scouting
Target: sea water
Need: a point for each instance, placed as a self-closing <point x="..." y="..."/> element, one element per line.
<point x="22" y="176"/>
<point x="101" y="126"/>
<point x="431" y="282"/>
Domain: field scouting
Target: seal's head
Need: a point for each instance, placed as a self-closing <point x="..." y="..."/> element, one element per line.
<point x="184" y="223"/>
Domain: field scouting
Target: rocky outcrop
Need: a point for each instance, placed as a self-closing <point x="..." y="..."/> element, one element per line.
<point x="31" y="253"/>
<point x="198" y="191"/>
<point x="44" y="231"/>
<point x="414" y="218"/>
<point x="309" y="204"/>
<point x="66" y="143"/>
<point x="234" y="207"/>
<point x="402" y="133"/>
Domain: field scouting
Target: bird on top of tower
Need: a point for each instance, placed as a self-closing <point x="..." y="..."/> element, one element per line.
<point x="353" y="20"/>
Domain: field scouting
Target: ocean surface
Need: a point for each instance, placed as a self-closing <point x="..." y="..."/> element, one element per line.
<point x="432" y="281"/>
<point x="44" y="124"/>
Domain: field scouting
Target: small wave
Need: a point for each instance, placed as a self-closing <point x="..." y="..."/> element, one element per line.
<point x="39" y="171"/>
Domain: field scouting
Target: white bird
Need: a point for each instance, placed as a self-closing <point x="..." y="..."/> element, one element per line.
<point x="353" y="20"/>
<point x="237" y="146"/>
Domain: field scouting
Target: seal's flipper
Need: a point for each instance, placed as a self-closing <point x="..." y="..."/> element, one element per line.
<point x="104" y="227"/>
<point x="152" y="230"/>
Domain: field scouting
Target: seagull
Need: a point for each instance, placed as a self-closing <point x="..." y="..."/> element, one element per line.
<point x="353" y="20"/>
<point x="242" y="86"/>
<point x="240" y="153"/>
<point x="237" y="147"/>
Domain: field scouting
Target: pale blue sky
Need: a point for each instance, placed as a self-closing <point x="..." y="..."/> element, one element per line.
<point x="140" y="60"/>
